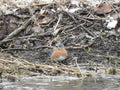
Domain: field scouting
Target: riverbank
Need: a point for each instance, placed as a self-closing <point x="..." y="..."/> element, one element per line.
<point x="29" y="33"/>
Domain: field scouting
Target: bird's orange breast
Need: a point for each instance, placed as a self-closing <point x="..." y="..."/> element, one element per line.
<point x="59" y="53"/>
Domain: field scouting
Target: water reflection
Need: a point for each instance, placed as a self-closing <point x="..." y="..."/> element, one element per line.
<point x="62" y="83"/>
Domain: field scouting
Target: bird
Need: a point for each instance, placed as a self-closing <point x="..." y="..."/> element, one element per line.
<point x="59" y="53"/>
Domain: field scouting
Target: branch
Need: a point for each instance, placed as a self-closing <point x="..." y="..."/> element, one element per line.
<point x="18" y="30"/>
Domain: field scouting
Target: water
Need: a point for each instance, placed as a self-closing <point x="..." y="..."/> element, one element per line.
<point x="62" y="83"/>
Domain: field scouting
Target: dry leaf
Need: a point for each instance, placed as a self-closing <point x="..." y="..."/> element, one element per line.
<point x="103" y="8"/>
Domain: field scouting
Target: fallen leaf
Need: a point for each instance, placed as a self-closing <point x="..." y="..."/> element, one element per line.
<point x="103" y="8"/>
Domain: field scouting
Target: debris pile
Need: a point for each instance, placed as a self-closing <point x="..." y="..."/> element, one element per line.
<point x="89" y="32"/>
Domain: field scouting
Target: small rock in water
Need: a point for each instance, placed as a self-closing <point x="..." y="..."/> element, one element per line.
<point x="11" y="78"/>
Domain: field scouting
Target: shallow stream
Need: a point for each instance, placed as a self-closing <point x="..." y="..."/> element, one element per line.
<point x="108" y="82"/>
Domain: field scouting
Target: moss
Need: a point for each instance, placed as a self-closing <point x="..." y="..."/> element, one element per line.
<point x="111" y="70"/>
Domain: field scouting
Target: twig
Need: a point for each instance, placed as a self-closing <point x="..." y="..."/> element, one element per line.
<point x="113" y="9"/>
<point x="88" y="31"/>
<point x="76" y="58"/>
<point x="106" y="56"/>
<point x="55" y="28"/>
<point x="18" y="30"/>
<point x="72" y="17"/>
<point x="26" y="49"/>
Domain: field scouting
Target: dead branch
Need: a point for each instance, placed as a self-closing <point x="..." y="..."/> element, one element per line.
<point x="18" y="30"/>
